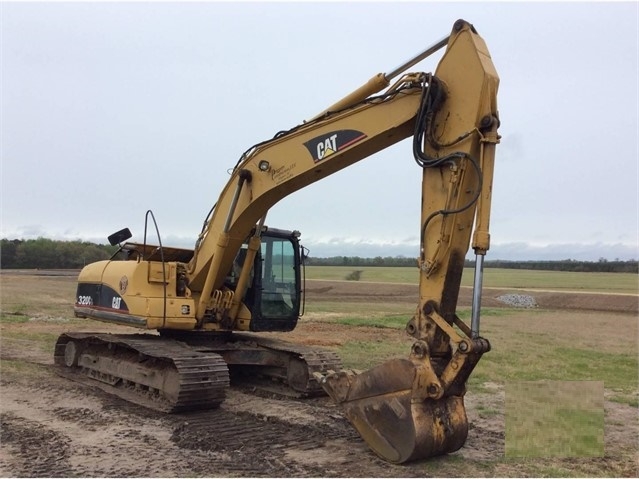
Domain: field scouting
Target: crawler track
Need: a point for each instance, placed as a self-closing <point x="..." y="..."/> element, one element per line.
<point x="190" y="371"/>
<point x="266" y="363"/>
<point x="315" y="360"/>
<point x="154" y="372"/>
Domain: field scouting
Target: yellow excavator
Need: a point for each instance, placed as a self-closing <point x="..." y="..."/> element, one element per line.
<point x="205" y="308"/>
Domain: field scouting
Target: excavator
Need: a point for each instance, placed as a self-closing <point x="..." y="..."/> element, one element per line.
<point x="205" y="310"/>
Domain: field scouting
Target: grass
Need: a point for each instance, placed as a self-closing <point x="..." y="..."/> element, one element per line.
<point x="391" y="322"/>
<point x="366" y="354"/>
<point x="487" y="411"/>
<point x="630" y="400"/>
<point x="398" y="321"/>
<point x="13" y="318"/>
<point x="493" y="278"/>
<point x="519" y="361"/>
<point x="37" y="296"/>
<point x="465" y="313"/>
<point x="619" y="371"/>
<point x="381" y="274"/>
<point x="518" y="353"/>
<point x="554" y="419"/>
<point x="44" y="341"/>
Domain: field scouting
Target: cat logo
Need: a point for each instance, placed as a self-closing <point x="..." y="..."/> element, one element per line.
<point x="333" y="142"/>
<point x="327" y="147"/>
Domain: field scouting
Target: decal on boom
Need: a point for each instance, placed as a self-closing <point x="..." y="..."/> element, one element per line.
<point x="333" y="142"/>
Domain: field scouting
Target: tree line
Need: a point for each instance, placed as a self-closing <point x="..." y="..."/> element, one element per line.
<point x="600" y="266"/>
<point x="45" y="253"/>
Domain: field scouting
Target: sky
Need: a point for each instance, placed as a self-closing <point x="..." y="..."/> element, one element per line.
<point x="111" y="109"/>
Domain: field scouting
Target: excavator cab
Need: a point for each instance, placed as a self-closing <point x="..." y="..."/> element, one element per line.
<point x="274" y="295"/>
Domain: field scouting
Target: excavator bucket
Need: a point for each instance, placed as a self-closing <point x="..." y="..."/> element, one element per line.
<point x="380" y="404"/>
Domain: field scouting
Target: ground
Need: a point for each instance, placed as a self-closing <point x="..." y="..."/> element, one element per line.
<point x="53" y="427"/>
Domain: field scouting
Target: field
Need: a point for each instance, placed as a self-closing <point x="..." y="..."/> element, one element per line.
<point x="564" y="373"/>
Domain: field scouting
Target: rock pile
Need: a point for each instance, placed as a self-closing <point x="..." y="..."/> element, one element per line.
<point x="518" y="300"/>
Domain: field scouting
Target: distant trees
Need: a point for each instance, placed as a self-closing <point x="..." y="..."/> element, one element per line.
<point x="45" y="253"/>
<point x="52" y="254"/>
<point x="602" y="265"/>
<point x="357" y="261"/>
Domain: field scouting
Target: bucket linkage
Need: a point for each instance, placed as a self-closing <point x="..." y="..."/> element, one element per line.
<point x="409" y="409"/>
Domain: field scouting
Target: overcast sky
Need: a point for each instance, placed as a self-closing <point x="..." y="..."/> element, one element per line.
<point x="110" y="109"/>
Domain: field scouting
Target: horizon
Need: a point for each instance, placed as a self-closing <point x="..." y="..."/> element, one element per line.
<point x="522" y="252"/>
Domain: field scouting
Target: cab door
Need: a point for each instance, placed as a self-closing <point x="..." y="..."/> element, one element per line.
<point x="276" y="294"/>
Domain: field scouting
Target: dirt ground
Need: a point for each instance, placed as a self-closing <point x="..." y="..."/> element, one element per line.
<point x="53" y="427"/>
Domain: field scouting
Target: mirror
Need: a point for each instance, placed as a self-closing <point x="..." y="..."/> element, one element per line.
<point x="119" y="236"/>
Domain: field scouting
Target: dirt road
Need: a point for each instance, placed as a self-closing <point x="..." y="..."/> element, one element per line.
<point x="53" y="427"/>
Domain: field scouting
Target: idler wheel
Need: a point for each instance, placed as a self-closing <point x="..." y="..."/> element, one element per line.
<point x="71" y="354"/>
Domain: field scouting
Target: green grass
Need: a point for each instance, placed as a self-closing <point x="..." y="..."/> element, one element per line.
<point x="530" y="362"/>
<point x="536" y="361"/>
<point x="366" y="354"/>
<point x="17" y="313"/>
<point x="465" y="313"/>
<point x="13" y="318"/>
<point x="516" y="355"/>
<point x="557" y="280"/>
<point x="381" y="274"/>
<point x="493" y="278"/>
<point x="391" y="322"/>
<point x="554" y="419"/>
<point x="398" y="321"/>
<point x="630" y="400"/>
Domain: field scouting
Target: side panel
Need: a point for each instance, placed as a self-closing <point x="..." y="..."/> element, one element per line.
<point x="134" y="294"/>
<point x="99" y="301"/>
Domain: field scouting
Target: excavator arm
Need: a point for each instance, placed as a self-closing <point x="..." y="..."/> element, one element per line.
<point x="411" y="408"/>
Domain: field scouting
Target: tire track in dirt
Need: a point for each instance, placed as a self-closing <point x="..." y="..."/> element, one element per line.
<point x="55" y="428"/>
<point x="37" y="450"/>
<point x="72" y="430"/>
<point x="268" y="446"/>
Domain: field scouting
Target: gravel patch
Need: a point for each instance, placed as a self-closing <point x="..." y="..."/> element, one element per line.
<point x="518" y="300"/>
